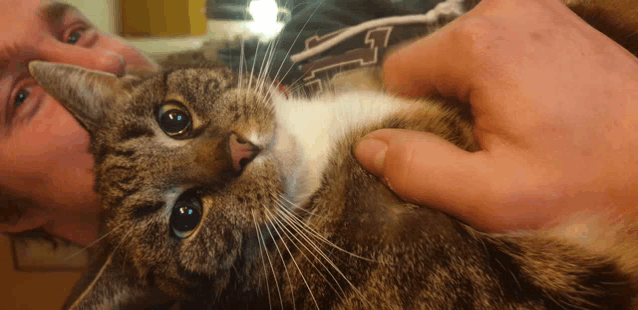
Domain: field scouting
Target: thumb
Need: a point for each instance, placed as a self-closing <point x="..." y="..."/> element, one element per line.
<point x="425" y="169"/>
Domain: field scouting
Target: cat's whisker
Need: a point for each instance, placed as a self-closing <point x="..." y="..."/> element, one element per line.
<point x="299" y="269"/>
<point x="285" y="229"/>
<point x="290" y="205"/>
<point x="271" y="57"/>
<point x="290" y="215"/>
<point x="268" y="61"/>
<point x="252" y="70"/>
<point x="93" y="243"/>
<point x="310" y="230"/>
<point x="263" y="72"/>
<point x="281" y="256"/>
<point x="242" y="56"/>
<point x="274" y="274"/>
<point x="287" y="223"/>
<point x="292" y="88"/>
<point x="333" y="265"/>
<point x="97" y="277"/>
<point x="124" y="238"/>
<point x="266" y="65"/>
<point x="275" y="44"/>
<point x="261" y="253"/>
<point x="276" y="77"/>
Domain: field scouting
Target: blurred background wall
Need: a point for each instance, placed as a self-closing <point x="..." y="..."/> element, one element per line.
<point x="103" y="13"/>
<point x="146" y="17"/>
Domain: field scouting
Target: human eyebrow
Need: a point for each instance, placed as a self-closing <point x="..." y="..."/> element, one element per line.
<point x="55" y="12"/>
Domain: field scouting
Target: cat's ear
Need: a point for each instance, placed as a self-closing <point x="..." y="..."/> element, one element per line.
<point x="112" y="284"/>
<point x="85" y="93"/>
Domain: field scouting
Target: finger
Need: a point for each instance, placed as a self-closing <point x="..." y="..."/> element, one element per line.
<point x="466" y="55"/>
<point x="98" y="59"/>
<point x="431" y="65"/>
<point x="427" y="170"/>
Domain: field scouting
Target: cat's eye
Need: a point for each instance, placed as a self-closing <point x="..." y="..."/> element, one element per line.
<point x="187" y="212"/>
<point x="174" y="119"/>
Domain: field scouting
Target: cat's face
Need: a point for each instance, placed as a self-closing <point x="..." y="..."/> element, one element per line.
<point x="189" y="166"/>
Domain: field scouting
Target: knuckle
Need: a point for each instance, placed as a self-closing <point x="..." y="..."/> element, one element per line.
<point x="475" y="34"/>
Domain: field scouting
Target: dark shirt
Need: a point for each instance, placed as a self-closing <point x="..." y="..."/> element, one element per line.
<point x="314" y="18"/>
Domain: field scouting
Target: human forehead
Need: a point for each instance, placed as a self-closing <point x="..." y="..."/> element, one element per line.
<point x="22" y="27"/>
<point x="27" y="14"/>
<point x="24" y="9"/>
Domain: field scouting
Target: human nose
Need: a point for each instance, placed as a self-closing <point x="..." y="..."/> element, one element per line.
<point x="93" y="59"/>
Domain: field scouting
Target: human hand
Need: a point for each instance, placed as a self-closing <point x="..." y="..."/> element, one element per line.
<point x="555" y="104"/>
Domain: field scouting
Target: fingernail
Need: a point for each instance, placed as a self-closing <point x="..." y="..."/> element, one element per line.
<point x="370" y="146"/>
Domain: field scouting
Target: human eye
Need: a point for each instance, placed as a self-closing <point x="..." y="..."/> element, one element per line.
<point x="74" y="28"/>
<point x="76" y="35"/>
<point x="23" y="103"/>
<point x="20" y="97"/>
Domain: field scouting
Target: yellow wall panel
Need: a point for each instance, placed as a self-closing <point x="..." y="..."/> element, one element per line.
<point x="165" y="18"/>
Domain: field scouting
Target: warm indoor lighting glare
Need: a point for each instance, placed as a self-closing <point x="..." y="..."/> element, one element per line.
<point x="264" y="13"/>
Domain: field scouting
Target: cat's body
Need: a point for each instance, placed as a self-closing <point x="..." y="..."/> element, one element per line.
<point x="226" y="195"/>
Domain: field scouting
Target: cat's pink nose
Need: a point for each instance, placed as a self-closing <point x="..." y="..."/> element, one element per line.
<point x="242" y="152"/>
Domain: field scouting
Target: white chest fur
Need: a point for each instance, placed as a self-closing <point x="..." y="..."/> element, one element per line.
<point x="318" y="123"/>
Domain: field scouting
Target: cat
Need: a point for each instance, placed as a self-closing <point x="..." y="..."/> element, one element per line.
<point x="221" y="193"/>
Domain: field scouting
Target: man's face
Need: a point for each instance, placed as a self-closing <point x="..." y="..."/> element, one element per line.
<point x="43" y="150"/>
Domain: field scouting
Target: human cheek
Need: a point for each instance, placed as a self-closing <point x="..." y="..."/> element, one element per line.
<point x="69" y="163"/>
<point x="64" y="129"/>
<point x="59" y="160"/>
<point x="54" y="135"/>
<point x="49" y="154"/>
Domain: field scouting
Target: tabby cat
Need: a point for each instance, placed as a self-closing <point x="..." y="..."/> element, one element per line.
<point x="220" y="193"/>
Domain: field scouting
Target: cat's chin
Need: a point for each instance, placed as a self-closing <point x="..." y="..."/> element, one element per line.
<point x="289" y="155"/>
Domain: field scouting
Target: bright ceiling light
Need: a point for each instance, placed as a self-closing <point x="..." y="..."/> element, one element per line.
<point x="264" y="13"/>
